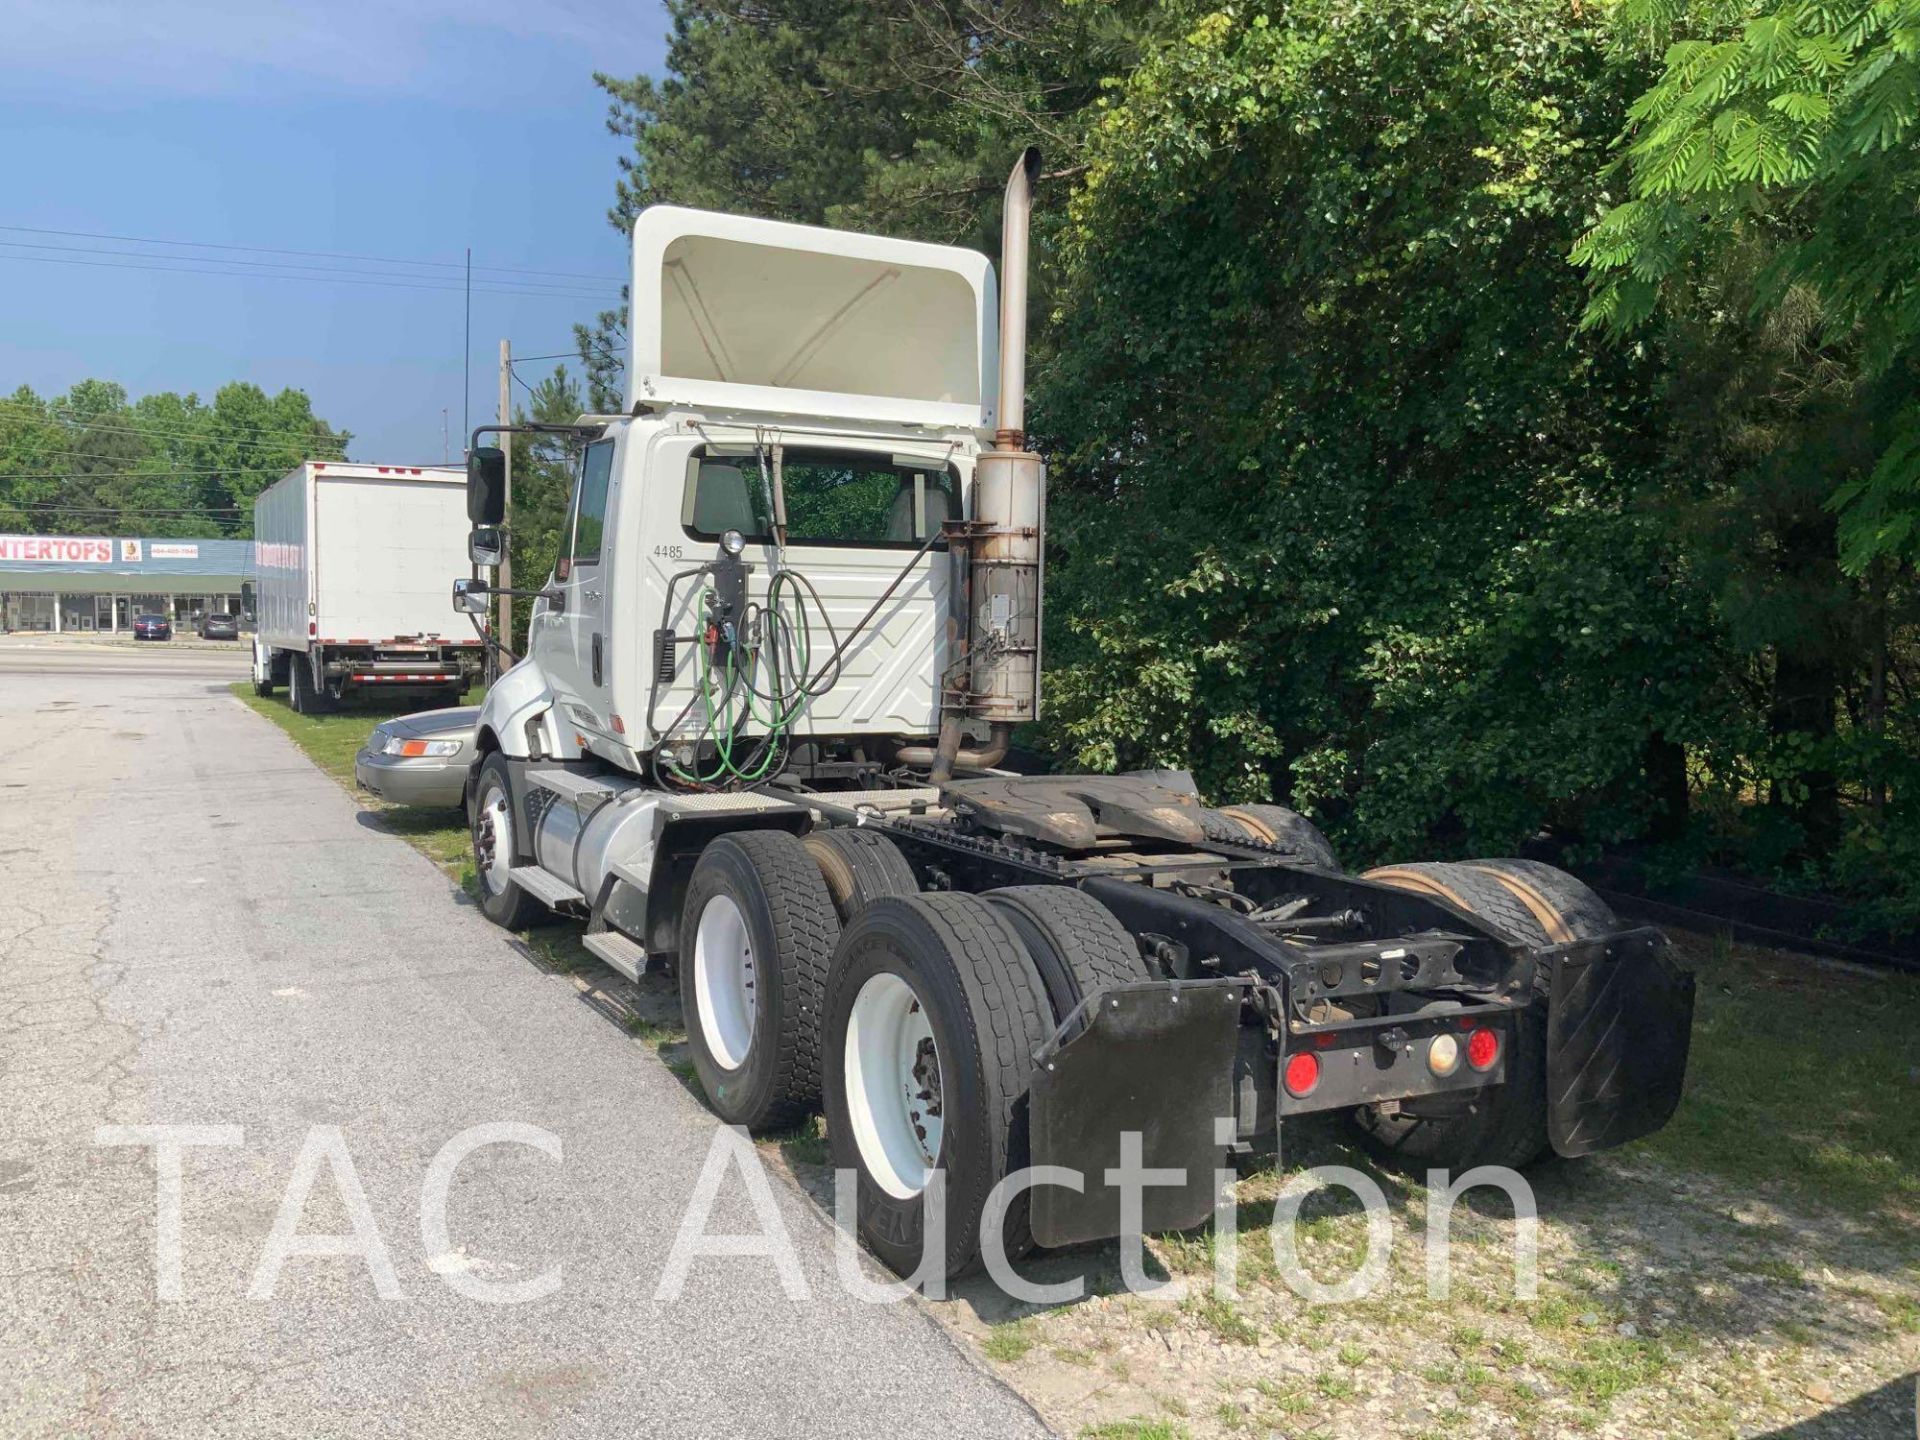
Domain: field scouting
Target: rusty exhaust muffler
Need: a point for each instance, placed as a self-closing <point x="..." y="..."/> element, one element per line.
<point x="1002" y="623"/>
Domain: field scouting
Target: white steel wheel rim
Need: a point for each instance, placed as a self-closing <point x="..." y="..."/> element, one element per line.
<point x="724" y="982"/>
<point x="496" y="827"/>
<point x="894" y="1097"/>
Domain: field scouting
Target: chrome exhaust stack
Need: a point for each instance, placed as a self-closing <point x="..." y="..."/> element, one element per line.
<point x="996" y="586"/>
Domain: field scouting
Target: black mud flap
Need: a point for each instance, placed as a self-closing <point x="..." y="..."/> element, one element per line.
<point x="1156" y="1058"/>
<point x="1619" y="1022"/>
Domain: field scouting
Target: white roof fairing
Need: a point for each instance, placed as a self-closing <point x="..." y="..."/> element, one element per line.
<point x="759" y="315"/>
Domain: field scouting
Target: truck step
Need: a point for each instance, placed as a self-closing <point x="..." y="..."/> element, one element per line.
<point x="545" y="886"/>
<point x="619" y="951"/>
<point x="574" y="785"/>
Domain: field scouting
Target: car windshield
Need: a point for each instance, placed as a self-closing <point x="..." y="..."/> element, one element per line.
<point x="219" y="619"/>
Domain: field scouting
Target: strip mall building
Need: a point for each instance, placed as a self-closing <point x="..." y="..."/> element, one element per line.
<point x="64" y="583"/>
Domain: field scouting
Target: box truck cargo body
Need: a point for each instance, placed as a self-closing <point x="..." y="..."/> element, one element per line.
<point x="351" y="564"/>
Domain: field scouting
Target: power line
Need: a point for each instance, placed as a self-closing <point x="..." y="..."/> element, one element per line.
<point x="158" y="432"/>
<point x="119" y="464"/>
<point x="310" y="254"/>
<point x="144" y="474"/>
<point x="150" y="512"/>
<point x="330" y="279"/>
<point x="271" y="269"/>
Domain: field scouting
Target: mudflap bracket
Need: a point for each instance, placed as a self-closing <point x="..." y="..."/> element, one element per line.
<point x="1619" y="1024"/>
<point x="1155" y="1058"/>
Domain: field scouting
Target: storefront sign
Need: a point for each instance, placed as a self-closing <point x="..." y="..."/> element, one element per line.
<point x="163" y="550"/>
<point x="56" y="550"/>
<point x="129" y="552"/>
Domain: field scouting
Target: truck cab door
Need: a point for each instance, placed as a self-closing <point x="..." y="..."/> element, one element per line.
<point x="571" y="647"/>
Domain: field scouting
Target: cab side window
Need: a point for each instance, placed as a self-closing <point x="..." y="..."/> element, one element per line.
<point x="587" y="515"/>
<point x="590" y="519"/>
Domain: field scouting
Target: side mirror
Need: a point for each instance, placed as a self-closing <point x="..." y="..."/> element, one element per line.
<point x="486" y="485"/>
<point x="487" y="545"/>
<point x="470" y="596"/>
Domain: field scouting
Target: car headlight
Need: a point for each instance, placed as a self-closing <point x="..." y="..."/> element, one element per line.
<point x="414" y="749"/>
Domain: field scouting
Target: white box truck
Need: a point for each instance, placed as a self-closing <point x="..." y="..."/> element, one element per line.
<point x="350" y="579"/>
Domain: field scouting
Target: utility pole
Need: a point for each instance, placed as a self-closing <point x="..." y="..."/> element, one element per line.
<point x="466" y="356"/>
<point x="506" y="443"/>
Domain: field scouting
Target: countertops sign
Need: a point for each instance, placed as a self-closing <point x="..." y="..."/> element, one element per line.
<point x="57" y="550"/>
<point x="163" y="550"/>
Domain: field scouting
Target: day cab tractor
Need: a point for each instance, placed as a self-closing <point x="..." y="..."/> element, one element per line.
<point x="757" y="738"/>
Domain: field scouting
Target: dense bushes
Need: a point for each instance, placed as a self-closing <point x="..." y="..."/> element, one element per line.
<point x="1358" y="501"/>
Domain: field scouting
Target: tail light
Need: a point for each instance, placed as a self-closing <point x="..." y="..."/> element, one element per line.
<point x="1483" y="1049"/>
<point x="1443" y="1054"/>
<point x="1302" y="1074"/>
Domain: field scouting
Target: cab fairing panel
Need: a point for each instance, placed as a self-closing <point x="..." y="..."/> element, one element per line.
<point x="781" y="319"/>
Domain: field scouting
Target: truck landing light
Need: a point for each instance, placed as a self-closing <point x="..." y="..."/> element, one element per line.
<point x="1443" y="1054"/>
<point x="1483" y="1048"/>
<point x="1302" y="1075"/>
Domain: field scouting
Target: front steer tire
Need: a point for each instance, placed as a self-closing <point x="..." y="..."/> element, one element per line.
<point x="497" y="848"/>
<point x="1534" y="905"/>
<point x="987" y="1012"/>
<point x="753" y="1013"/>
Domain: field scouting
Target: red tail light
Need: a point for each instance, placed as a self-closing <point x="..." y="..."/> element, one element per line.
<point x="1483" y="1048"/>
<point x="1302" y="1075"/>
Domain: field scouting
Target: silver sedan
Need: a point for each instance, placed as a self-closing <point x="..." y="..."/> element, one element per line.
<point x="419" y="759"/>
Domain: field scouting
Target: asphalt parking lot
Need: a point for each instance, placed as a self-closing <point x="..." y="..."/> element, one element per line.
<point x="197" y="929"/>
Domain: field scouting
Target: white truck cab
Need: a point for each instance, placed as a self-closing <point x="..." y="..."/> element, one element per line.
<point x="856" y="371"/>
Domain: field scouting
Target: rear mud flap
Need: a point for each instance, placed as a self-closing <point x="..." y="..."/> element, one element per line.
<point x="1154" y="1058"/>
<point x="1619" y="1022"/>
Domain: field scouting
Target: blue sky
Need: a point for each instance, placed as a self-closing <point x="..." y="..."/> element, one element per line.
<point x="405" y="130"/>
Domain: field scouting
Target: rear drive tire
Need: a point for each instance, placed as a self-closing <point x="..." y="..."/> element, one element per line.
<point x="933" y="1014"/>
<point x="1276" y="825"/>
<point x="1533" y="905"/>
<point x="497" y="848"/>
<point x="1076" y="943"/>
<point x="757" y="934"/>
<point x="859" y="867"/>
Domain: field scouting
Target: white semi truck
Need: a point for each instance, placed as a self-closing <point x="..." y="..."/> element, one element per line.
<point x="350" y="566"/>
<point x="757" y="738"/>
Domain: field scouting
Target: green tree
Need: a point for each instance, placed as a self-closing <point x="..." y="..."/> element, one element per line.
<point x="1345" y="515"/>
<point x="91" y="461"/>
<point x="543" y="473"/>
<point x="1768" y="239"/>
<point x="1787" y="127"/>
<point x="900" y="117"/>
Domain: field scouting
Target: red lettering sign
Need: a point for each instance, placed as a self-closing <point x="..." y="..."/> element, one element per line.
<point x="55" y="550"/>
